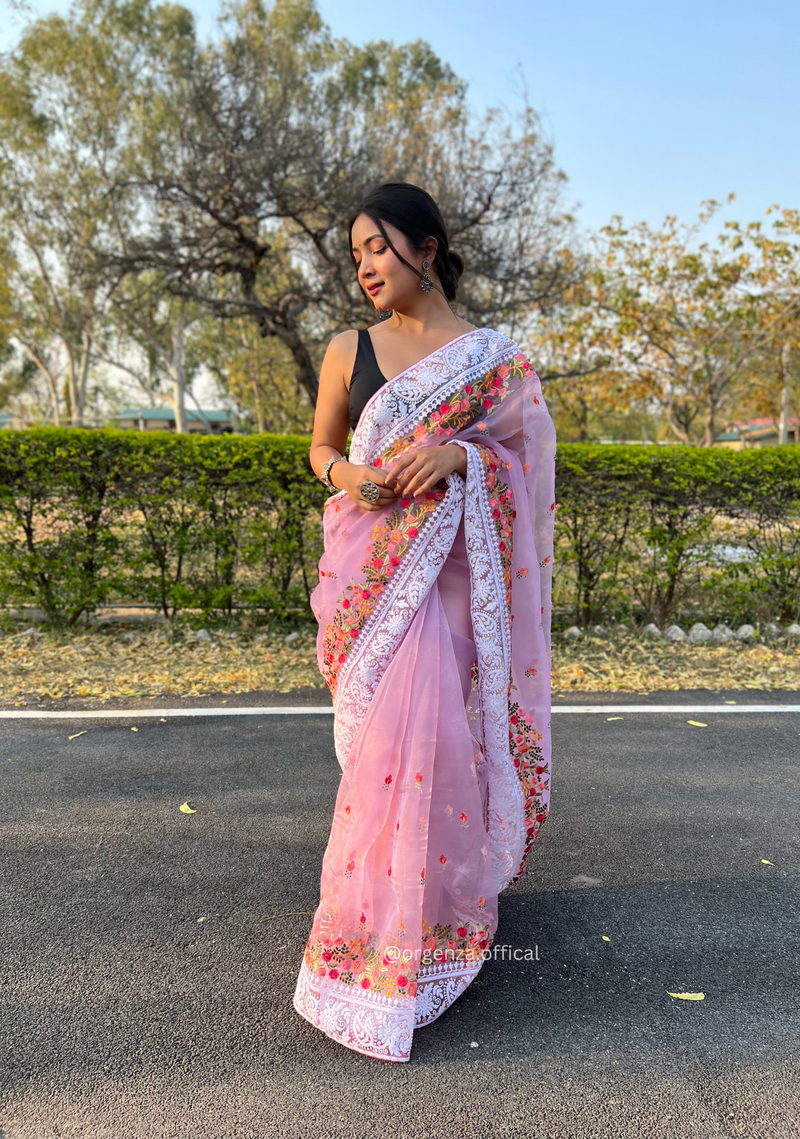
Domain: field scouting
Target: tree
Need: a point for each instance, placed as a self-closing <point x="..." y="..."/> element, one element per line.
<point x="73" y="98"/>
<point x="278" y="138"/>
<point x="691" y="318"/>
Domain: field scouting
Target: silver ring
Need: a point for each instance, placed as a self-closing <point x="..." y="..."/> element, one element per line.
<point x="370" y="490"/>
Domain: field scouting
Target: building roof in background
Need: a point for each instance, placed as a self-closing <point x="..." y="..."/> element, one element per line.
<point x="754" y="429"/>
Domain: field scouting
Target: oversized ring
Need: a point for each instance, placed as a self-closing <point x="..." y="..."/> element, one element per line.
<point x="370" y="490"/>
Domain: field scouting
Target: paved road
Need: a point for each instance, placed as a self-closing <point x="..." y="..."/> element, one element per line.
<point x="147" y="990"/>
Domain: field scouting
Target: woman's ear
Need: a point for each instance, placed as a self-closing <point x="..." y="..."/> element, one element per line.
<point x="429" y="249"/>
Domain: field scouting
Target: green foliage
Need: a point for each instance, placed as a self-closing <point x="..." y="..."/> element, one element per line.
<point x="213" y="523"/>
<point x="197" y="522"/>
<point x="641" y="531"/>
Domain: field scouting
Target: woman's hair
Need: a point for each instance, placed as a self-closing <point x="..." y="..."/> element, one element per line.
<point x="413" y="211"/>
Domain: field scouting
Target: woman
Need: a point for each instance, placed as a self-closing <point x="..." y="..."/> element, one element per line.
<point x="433" y="605"/>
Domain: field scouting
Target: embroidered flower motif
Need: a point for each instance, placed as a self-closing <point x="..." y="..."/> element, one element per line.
<point x="418" y="781"/>
<point x="503" y="512"/>
<point x="522" y="572"/>
<point x="464" y="819"/>
<point x="441" y="943"/>
<point x="348" y="870"/>
<point x="470" y="402"/>
<point x="443" y="859"/>
<point x="532" y="772"/>
<point x="387" y="781"/>
<point x="359" y="598"/>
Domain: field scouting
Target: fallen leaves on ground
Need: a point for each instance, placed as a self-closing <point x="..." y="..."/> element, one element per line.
<point x="105" y="663"/>
<point x="626" y="663"/>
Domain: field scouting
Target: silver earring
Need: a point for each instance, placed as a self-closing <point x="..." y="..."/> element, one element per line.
<point x="426" y="283"/>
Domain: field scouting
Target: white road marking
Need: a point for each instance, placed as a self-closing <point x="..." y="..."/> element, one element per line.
<point x="289" y="710"/>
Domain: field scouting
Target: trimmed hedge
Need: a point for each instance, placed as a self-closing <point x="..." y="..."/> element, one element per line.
<point x="89" y="517"/>
<point x="214" y="523"/>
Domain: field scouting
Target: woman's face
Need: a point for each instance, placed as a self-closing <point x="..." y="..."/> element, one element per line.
<point x="381" y="274"/>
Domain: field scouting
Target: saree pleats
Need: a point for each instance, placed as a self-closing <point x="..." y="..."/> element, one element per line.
<point x="434" y="640"/>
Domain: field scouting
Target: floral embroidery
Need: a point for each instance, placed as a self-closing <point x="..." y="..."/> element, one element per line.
<point x="360" y="964"/>
<point x="390" y="541"/>
<point x="465" y="405"/>
<point x="464" y="819"/>
<point x="466" y="943"/>
<point x="501" y="500"/>
<point x="532" y="771"/>
<point x="356" y="962"/>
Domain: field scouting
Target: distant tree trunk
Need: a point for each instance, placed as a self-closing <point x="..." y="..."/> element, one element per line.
<point x="259" y="411"/>
<point x="178" y="373"/>
<point x="786" y="370"/>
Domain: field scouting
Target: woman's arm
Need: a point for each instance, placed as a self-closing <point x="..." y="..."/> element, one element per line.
<point x="332" y="424"/>
<point x="332" y="414"/>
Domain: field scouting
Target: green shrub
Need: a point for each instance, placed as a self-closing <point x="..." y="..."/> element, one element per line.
<point x="214" y="523"/>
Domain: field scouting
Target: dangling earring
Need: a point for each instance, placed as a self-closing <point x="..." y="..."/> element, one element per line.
<point x="426" y="283"/>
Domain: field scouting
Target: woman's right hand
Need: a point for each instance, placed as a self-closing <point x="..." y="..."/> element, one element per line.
<point x="352" y="477"/>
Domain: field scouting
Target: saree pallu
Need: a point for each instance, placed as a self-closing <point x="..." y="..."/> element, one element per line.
<point x="434" y="639"/>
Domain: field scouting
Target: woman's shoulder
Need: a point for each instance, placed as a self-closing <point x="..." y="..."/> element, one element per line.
<point x="344" y="343"/>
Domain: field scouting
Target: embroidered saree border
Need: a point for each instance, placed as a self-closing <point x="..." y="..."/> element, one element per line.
<point x="373" y="1024"/>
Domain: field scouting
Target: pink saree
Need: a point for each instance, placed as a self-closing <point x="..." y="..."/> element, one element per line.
<point x="434" y="639"/>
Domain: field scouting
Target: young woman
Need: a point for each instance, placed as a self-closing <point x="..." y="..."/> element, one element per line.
<point x="433" y="605"/>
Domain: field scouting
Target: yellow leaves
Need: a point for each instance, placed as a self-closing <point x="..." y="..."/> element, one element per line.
<point x="106" y="665"/>
<point x="83" y="733"/>
<point x="134" y="729"/>
<point x="767" y="862"/>
<point x="688" y="996"/>
<point x="610" y="718"/>
<point x="697" y="723"/>
<point x="627" y="664"/>
<point x="187" y="810"/>
<point x="606" y="938"/>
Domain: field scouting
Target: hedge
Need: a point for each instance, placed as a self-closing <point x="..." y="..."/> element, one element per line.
<point x="217" y="523"/>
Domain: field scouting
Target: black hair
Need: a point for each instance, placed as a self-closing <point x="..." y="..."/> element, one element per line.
<point x="413" y="211"/>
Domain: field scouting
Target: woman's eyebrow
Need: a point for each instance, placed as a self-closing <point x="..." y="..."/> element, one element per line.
<point x="366" y="241"/>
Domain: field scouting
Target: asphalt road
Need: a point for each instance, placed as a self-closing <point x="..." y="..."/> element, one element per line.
<point x="146" y="987"/>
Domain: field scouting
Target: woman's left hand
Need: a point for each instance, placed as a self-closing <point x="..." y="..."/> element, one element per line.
<point x="419" y="468"/>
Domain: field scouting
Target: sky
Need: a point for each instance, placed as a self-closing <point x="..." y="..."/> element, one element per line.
<point x="651" y="108"/>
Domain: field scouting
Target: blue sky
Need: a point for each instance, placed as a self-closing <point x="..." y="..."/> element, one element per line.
<point x="651" y="107"/>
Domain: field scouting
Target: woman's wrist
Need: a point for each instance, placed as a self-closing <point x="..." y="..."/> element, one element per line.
<point x="338" y="467"/>
<point x="459" y="458"/>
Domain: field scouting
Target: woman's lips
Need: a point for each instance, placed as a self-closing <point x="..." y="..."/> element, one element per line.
<point x="373" y="289"/>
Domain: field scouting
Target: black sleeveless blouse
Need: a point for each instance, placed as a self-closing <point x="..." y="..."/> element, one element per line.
<point x="366" y="378"/>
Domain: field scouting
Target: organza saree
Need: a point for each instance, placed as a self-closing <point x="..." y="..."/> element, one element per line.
<point x="434" y="639"/>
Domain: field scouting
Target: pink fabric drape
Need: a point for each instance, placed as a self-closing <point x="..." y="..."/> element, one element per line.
<point x="434" y="638"/>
